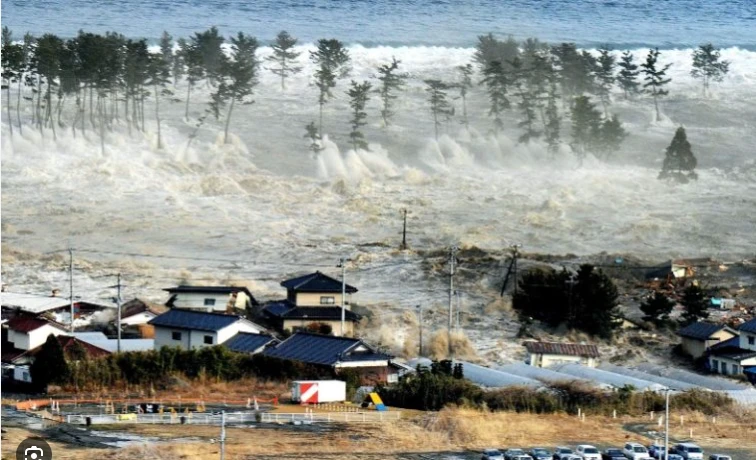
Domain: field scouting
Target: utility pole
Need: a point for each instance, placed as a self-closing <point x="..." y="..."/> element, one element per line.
<point x="420" y="324"/>
<point x="404" y="231"/>
<point x="571" y="282"/>
<point x="515" y="256"/>
<point x="118" y="313"/>
<point x="223" y="436"/>
<point x="666" y="427"/>
<point x="457" y="293"/>
<point x="70" y="284"/>
<point x="452" y="254"/>
<point x="342" y="265"/>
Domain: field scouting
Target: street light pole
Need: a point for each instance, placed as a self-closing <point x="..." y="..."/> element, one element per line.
<point x="452" y="254"/>
<point x="342" y="265"/>
<point x="118" y="313"/>
<point x="420" y="324"/>
<point x="666" y="425"/>
<point x="223" y="436"/>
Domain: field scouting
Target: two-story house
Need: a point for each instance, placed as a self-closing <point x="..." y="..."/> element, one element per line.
<point x="26" y="332"/>
<point x="314" y="302"/>
<point x="190" y="329"/>
<point x="211" y="298"/>
<point x="698" y="337"/>
<point x="736" y="355"/>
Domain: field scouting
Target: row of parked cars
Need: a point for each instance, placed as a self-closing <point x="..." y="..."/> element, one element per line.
<point x="630" y="451"/>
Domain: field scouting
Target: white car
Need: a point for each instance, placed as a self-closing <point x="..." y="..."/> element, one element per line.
<point x="688" y="451"/>
<point x="588" y="452"/>
<point x="635" y="451"/>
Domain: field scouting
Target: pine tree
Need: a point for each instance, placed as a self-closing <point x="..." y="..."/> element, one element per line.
<point x="552" y="126"/>
<point x="331" y="60"/>
<point x="12" y="62"/>
<point x="208" y="46"/>
<point x="575" y="70"/>
<point x="191" y="59"/>
<point x="314" y="137"/>
<point x="358" y="94"/>
<point x="657" y="308"/>
<point x="177" y="65"/>
<point x="489" y="49"/>
<point x="390" y="83"/>
<point x="628" y="75"/>
<point x="606" y="64"/>
<point x="465" y="84"/>
<point x="136" y="75"/>
<point x="48" y="53"/>
<point x="240" y="73"/>
<point x="707" y="65"/>
<point x="49" y="364"/>
<point x="159" y="72"/>
<point x="655" y="78"/>
<point x="585" y="125"/>
<point x="497" y="82"/>
<point x="284" y="58"/>
<point x="439" y="105"/>
<point x="679" y="160"/>
<point x="694" y="302"/>
<point x="611" y="135"/>
<point x="166" y="51"/>
<point x="526" y="104"/>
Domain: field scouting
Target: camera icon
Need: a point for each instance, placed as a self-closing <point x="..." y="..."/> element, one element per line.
<point x="34" y="449"/>
<point x="34" y="453"/>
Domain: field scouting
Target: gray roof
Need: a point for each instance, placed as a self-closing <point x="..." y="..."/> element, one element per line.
<point x="194" y="320"/>
<point x="316" y="282"/>
<point x="323" y="350"/>
<point x="730" y="349"/>
<point x="748" y="326"/>
<point x="111" y="345"/>
<point x="246" y="342"/>
<point x="700" y="330"/>
<point x="567" y="349"/>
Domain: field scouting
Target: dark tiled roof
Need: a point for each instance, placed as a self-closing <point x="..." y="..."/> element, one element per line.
<point x="28" y="323"/>
<point x="322" y="349"/>
<point x="277" y="309"/>
<point x="316" y="282"/>
<point x="700" y="330"/>
<point x="733" y="342"/>
<point x="329" y="313"/>
<point x="748" y="326"/>
<point x="195" y="320"/>
<point x="136" y="306"/>
<point x="734" y="353"/>
<point x="569" y="349"/>
<point x="245" y="342"/>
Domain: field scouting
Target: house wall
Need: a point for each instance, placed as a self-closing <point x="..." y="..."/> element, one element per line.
<point x="290" y="324"/>
<point x="693" y="348"/>
<point x="196" y="301"/>
<point x="164" y="338"/>
<point x="139" y="318"/>
<point x="32" y="339"/>
<point x="745" y="342"/>
<point x="719" y="336"/>
<point x="312" y="299"/>
<point x="546" y="360"/>
<point x="731" y="367"/>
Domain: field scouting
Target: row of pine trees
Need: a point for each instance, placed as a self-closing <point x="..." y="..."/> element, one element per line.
<point x="109" y="78"/>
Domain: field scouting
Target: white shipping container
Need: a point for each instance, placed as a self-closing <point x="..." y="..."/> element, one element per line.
<point x="318" y="391"/>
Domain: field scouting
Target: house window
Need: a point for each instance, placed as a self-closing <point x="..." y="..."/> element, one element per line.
<point x="209" y="302"/>
<point x="392" y="378"/>
<point x="735" y="369"/>
<point x="176" y="335"/>
<point x="208" y="340"/>
<point x="327" y="300"/>
<point x="715" y="365"/>
<point x="724" y="367"/>
<point x="751" y="340"/>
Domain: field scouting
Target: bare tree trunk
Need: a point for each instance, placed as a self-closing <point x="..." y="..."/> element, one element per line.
<point x="18" y="105"/>
<point x="228" y="119"/>
<point x="8" y="105"/>
<point x="91" y="101"/>
<point x="157" y="116"/>
<point x="126" y="111"/>
<point x="141" y="107"/>
<point x="38" y="114"/>
<point x="102" y="127"/>
<point x="188" y="93"/>
<point x="320" y="126"/>
<point x="656" y="105"/>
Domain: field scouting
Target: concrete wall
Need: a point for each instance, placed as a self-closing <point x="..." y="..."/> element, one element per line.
<point x="745" y="342"/>
<point x="290" y="324"/>
<point x="313" y="299"/>
<point x="546" y="360"/>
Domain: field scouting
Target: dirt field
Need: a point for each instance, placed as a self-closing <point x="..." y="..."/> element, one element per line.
<point x="450" y="434"/>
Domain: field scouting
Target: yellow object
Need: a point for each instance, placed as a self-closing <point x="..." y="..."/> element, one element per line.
<point x="127" y="416"/>
<point x="376" y="399"/>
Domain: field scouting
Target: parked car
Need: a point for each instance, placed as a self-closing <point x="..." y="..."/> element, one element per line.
<point x="492" y="454"/>
<point x="613" y="454"/>
<point x="510" y="454"/>
<point x="560" y="452"/>
<point x="635" y="451"/>
<point x="656" y="450"/>
<point x="719" y="457"/>
<point x="539" y="453"/>
<point x="588" y="452"/>
<point x="688" y="451"/>
<point x="522" y="457"/>
<point x="672" y="456"/>
<point x="571" y="457"/>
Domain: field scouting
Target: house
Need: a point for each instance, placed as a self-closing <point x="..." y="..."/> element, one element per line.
<point x="246" y="342"/>
<point x="699" y="337"/>
<point x="211" y="298"/>
<point x="28" y="332"/>
<point x="100" y="340"/>
<point x="190" y="329"/>
<point x="544" y="354"/>
<point x="136" y="312"/>
<point x="58" y="308"/>
<point x="736" y="355"/>
<point x="314" y="302"/>
<point x="338" y="354"/>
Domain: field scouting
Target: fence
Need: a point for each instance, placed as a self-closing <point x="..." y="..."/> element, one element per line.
<point x="233" y="418"/>
<point x="34" y="404"/>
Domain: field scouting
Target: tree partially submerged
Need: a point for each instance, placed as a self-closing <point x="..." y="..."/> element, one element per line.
<point x="708" y="66"/>
<point x="284" y="58"/>
<point x="627" y="78"/>
<point x="656" y="78"/>
<point x="391" y="82"/>
<point x="657" y="308"/>
<point x="331" y="60"/>
<point x="239" y="74"/>
<point x="439" y="105"/>
<point x="497" y="82"/>
<point x="679" y="160"/>
<point x="359" y="93"/>
<point x="694" y="302"/>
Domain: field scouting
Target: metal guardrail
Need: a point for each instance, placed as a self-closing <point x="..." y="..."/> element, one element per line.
<point x="235" y="418"/>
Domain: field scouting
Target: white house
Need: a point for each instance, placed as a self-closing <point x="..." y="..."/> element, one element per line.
<point x="190" y="329"/>
<point x="211" y="298"/>
<point x="136" y="312"/>
<point x="26" y="333"/>
<point x="544" y="354"/>
<point x="733" y="356"/>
